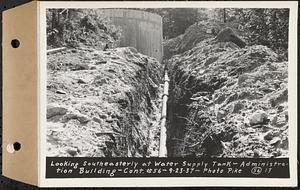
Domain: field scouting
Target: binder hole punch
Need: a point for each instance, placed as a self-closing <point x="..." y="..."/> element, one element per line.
<point x="15" y="43"/>
<point x="11" y="148"/>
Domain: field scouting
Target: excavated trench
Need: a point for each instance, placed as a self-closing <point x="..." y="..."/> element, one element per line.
<point x="176" y="122"/>
<point x="190" y="94"/>
<point x="116" y="96"/>
<point x="224" y="101"/>
<point x="188" y="123"/>
<point x="177" y="113"/>
<point x="181" y="117"/>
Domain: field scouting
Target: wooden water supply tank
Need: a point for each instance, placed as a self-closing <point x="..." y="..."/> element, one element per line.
<point x="140" y="29"/>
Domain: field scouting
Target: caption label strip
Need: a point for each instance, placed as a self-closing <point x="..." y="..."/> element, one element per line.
<point x="77" y="167"/>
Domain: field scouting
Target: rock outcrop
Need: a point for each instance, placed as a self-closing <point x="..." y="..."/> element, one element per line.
<point x="228" y="35"/>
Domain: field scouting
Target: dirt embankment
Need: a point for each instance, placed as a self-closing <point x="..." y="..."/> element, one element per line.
<point x="193" y="35"/>
<point x="102" y="103"/>
<point x="228" y="101"/>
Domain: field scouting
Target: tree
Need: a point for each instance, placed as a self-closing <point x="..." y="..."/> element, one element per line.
<point x="74" y="27"/>
<point x="267" y="27"/>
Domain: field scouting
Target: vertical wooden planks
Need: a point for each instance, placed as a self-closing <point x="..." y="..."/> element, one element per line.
<point x="141" y="30"/>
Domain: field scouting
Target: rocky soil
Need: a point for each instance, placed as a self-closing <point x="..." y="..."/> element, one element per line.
<point x="227" y="101"/>
<point x="102" y="103"/>
<point x="193" y="35"/>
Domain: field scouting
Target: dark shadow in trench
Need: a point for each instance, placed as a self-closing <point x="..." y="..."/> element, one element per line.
<point x="176" y="112"/>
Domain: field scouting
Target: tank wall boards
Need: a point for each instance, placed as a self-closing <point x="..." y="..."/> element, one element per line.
<point x="140" y="29"/>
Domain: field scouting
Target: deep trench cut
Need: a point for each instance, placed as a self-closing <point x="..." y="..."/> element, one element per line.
<point x="176" y="121"/>
<point x="177" y="113"/>
<point x="183" y="118"/>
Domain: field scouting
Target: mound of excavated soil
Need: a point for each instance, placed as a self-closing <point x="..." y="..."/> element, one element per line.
<point x="227" y="101"/>
<point x="192" y="36"/>
<point x="102" y="103"/>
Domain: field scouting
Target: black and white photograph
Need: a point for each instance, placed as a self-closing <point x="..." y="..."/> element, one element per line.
<point x="151" y="94"/>
<point x="167" y="82"/>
